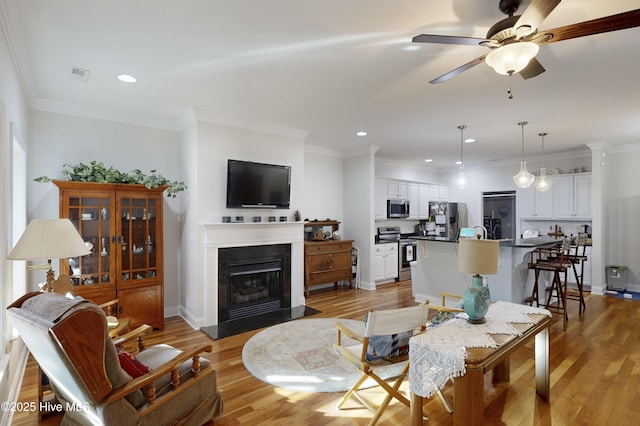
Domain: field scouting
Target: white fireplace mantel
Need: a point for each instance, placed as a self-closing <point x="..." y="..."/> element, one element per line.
<point x="221" y="235"/>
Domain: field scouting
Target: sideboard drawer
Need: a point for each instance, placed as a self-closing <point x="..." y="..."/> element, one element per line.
<point x="328" y="248"/>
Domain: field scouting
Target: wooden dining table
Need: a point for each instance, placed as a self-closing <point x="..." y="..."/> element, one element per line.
<point x="468" y="389"/>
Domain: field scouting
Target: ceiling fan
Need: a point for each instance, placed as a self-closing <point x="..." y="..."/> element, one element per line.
<point x="514" y="41"/>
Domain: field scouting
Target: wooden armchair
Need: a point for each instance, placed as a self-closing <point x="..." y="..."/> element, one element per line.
<point x="70" y="341"/>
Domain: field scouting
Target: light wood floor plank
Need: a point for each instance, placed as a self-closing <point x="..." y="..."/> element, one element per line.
<point x="595" y="371"/>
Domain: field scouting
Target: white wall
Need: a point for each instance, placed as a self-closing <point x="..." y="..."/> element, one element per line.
<point x="189" y="243"/>
<point x="208" y="146"/>
<point x="58" y="139"/>
<point x="14" y="112"/>
<point x="623" y="212"/>
<point x="359" y="193"/>
<point x="386" y="169"/>
<point x="323" y="185"/>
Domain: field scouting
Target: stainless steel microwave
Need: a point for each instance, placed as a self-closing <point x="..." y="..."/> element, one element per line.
<point x="397" y="208"/>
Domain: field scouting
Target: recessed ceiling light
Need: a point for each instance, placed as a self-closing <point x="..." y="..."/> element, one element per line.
<point x="469" y="140"/>
<point x="428" y="160"/>
<point x="411" y="47"/>
<point x="126" y="78"/>
<point x="361" y="133"/>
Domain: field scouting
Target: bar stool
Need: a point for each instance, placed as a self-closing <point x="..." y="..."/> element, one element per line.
<point x="556" y="260"/>
<point x="578" y="258"/>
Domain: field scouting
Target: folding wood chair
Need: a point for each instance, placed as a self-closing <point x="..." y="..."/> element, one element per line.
<point x="392" y="323"/>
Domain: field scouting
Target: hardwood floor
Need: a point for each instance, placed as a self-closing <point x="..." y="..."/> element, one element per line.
<point x="595" y="371"/>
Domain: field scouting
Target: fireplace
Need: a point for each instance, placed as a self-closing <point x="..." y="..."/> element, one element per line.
<point x="253" y="280"/>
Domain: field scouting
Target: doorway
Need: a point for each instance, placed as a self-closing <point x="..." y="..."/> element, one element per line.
<point x="499" y="214"/>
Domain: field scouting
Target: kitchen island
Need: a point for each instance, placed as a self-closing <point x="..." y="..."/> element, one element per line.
<point x="435" y="270"/>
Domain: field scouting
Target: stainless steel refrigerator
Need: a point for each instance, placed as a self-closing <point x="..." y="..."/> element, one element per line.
<point x="448" y="218"/>
<point x="499" y="214"/>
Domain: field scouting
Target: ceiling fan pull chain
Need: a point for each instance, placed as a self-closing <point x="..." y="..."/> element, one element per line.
<point x="509" y="91"/>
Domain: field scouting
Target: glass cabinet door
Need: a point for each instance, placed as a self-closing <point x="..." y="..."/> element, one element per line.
<point x="91" y="215"/>
<point x="139" y="222"/>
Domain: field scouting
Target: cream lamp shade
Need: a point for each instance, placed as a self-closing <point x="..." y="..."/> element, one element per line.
<point x="49" y="239"/>
<point x="478" y="256"/>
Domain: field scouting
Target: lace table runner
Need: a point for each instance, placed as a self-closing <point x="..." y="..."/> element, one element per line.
<point x="438" y="354"/>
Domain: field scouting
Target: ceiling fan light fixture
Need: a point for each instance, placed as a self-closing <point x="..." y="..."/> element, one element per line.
<point x="512" y="58"/>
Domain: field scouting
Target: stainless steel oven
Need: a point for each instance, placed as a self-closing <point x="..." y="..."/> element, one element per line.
<point x="407" y="249"/>
<point x="406" y="255"/>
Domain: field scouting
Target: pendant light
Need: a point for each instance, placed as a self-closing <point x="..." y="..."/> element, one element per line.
<point x="462" y="179"/>
<point x="523" y="179"/>
<point x="543" y="183"/>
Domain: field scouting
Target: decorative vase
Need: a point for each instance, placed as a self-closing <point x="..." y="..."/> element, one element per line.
<point x="476" y="301"/>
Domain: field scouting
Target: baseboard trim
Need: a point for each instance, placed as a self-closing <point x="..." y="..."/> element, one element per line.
<point x="195" y="322"/>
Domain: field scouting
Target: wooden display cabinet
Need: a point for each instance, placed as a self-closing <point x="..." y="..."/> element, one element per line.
<point x="122" y="224"/>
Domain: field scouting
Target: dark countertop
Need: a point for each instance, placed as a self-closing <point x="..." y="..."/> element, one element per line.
<point x="529" y="242"/>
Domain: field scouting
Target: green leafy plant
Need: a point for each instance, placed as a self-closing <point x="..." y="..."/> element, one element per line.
<point x="97" y="172"/>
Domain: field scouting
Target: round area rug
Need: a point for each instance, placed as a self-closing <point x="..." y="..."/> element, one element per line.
<point x="299" y="355"/>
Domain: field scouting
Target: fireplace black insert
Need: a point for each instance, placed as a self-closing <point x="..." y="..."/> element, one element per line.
<point x="253" y="280"/>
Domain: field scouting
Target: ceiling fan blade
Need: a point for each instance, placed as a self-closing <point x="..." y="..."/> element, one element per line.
<point x="533" y="69"/>
<point x="443" y="39"/>
<point x="458" y="70"/>
<point x="616" y="22"/>
<point x="533" y="16"/>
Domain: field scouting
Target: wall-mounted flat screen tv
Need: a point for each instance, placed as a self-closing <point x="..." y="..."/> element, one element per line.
<point x="258" y="185"/>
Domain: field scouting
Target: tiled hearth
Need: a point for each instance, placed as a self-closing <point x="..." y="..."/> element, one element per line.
<point x="223" y="235"/>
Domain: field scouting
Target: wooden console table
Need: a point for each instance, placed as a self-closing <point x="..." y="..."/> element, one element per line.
<point x="327" y="261"/>
<point x="468" y="390"/>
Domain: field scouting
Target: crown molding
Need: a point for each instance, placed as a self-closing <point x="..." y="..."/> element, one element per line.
<point x="106" y="115"/>
<point x="321" y="150"/>
<point x="631" y="147"/>
<point x="244" y="124"/>
<point x="14" y="34"/>
<point x="364" y="150"/>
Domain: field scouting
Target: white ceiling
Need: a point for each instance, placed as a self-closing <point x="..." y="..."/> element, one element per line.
<point x="329" y="68"/>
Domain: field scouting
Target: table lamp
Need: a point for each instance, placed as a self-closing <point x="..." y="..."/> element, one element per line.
<point x="48" y="239"/>
<point x="476" y="256"/>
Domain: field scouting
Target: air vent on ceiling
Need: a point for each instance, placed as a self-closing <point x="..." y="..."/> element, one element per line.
<point x="79" y="74"/>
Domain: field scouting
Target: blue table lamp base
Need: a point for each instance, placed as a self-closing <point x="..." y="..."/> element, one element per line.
<point x="476" y="301"/>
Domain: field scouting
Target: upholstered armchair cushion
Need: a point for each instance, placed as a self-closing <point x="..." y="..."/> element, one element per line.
<point x="131" y="364"/>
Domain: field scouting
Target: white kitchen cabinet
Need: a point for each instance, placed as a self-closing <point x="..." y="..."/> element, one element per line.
<point x="438" y="193"/>
<point x="533" y="204"/>
<point x="380" y="200"/>
<point x="444" y="193"/>
<point x="423" y="206"/>
<point x="385" y="261"/>
<point x="397" y="189"/>
<point x="414" y="200"/>
<point x="572" y="196"/>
